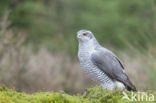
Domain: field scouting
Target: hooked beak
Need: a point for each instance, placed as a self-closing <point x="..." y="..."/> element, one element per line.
<point x="78" y="36"/>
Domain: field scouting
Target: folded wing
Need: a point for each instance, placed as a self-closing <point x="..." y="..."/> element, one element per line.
<point x="107" y="62"/>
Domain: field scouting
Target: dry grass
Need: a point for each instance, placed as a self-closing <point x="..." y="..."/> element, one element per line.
<point x="44" y="71"/>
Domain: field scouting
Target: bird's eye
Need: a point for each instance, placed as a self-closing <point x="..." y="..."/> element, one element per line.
<point x="85" y="34"/>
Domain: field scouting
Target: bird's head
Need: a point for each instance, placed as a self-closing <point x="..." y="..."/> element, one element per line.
<point x="86" y="39"/>
<point x="84" y="35"/>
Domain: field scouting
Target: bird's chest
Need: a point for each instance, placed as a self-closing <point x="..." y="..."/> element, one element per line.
<point x="92" y="70"/>
<point x="85" y="59"/>
<point x="86" y="63"/>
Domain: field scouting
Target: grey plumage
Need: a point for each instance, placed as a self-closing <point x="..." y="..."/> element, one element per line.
<point x="100" y="63"/>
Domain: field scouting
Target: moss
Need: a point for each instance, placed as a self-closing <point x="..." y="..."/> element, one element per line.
<point x="92" y="95"/>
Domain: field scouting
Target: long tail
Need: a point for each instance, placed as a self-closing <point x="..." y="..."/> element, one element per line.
<point x="130" y="86"/>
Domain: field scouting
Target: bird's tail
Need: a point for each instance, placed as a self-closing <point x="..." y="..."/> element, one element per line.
<point x="129" y="86"/>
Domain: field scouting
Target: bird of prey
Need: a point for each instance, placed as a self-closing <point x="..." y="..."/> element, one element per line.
<point x="101" y="64"/>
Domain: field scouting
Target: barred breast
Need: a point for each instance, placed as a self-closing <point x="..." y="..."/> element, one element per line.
<point x="93" y="71"/>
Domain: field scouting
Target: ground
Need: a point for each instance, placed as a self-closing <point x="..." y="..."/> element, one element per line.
<point x="92" y="95"/>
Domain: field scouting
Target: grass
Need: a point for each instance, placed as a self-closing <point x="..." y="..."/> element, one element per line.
<point x="92" y="95"/>
<point x="10" y="96"/>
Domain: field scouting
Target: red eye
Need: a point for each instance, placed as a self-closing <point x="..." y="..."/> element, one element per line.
<point x="85" y="34"/>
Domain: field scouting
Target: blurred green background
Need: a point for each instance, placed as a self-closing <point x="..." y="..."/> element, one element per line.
<point x="38" y="47"/>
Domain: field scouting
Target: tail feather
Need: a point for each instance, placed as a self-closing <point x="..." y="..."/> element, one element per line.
<point x="129" y="85"/>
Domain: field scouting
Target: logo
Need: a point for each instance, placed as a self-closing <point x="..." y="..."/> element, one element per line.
<point x="139" y="96"/>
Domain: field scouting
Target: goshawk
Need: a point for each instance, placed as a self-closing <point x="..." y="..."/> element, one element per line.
<point x="101" y="64"/>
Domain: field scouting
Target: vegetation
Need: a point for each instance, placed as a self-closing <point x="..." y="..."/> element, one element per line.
<point x="116" y="23"/>
<point x="92" y="95"/>
<point x="38" y="42"/>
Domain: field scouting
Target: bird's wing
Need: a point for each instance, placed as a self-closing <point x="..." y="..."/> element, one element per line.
<point x="111" y="65"/>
